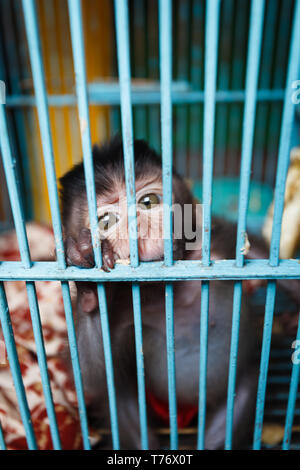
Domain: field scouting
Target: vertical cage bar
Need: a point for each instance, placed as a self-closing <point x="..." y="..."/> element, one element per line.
<point x="136" y="297"/>
<point x="264" y="362"/>
<point x="2" y="441"/>
<point x="165" y="48"/>
<point x="203" y="364"/>
<point x="210" y="81"/>
<point x="42" y="108"/>
<point x="108" y="365"/>
<point x="252" y="74"/>
<point x="42" y="360"/>
<point x="122" y="32"/>
<point x="294" y="383"/>
<point x="123" y="54"/>
<point x="15" y="369"/>
<point x="169" y="307"/>
<point x="285" y="137"/>
<point x="31" y="293"/>
<point x="237" y="299"/>
<point x="9" y="170"/>
<point x="75" y="364"/>
<point x="40" y="91"/>
<point x="282" y="168"/>
<point x="83" y="109"/>
<point x="77" y="40"/>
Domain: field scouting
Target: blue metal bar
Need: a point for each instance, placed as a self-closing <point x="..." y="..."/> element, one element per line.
<point x="81" y="89"/>
<point x="252" y="74"/>
<point x="264" y="362"/>
<point x="9" y="169"/>
<point x="108" y="365"/>
<point x="75" y="364"/>
<point x="42" y="108"/>
<point x="84" y="120"/>
<point x="15" y="369"/>
<point x="294" y="383"/>
<point x="42" y="360"/>
<point x="203" y="364"/>
<point x="282" y="168"/>
<point x="210" y="80"/>
<point x="110" y="95"/>
<point x="41" y="97"/>
<point x="136" y="298"/>
<point x="122" y="32"/>
<point x="165" y="48"/>
<point x="285" y="137"/>
<point x="169" y="305"/>
<point x="2" y="441"/>
<point x="25" y="257"/>
<point x="152" y="271"/>
<point x="254" y="53"/>
<point x="237" y="299"/>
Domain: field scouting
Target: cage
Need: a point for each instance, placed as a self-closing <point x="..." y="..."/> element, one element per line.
<point x="212" y="86"/>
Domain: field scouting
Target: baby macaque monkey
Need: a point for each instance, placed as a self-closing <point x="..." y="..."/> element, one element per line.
<point x="113" y="232"/>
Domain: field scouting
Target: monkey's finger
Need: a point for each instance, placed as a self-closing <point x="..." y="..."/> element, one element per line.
<point x="108" y="260"/>
<point x="73" y="255"/>
<point x="85" y="246"/>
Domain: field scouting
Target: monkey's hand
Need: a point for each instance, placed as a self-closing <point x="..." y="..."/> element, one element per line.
<point x="81" y="253"/>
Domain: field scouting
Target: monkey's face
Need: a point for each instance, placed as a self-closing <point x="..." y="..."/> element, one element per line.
<point x="113" y="219"/>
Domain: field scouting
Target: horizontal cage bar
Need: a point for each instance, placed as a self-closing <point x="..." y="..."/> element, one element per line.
<point x="112" y="97"/>
<point x="153" y="271"/>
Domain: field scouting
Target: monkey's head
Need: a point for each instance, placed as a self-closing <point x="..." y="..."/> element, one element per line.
<point x="112" y="201"/>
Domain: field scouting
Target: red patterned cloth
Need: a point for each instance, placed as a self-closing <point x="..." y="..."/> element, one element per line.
<point x="55" y="337"/>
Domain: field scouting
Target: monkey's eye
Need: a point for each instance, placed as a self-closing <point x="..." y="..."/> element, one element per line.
<point x="149" y="201"/>
<point x="107" y="220"/>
